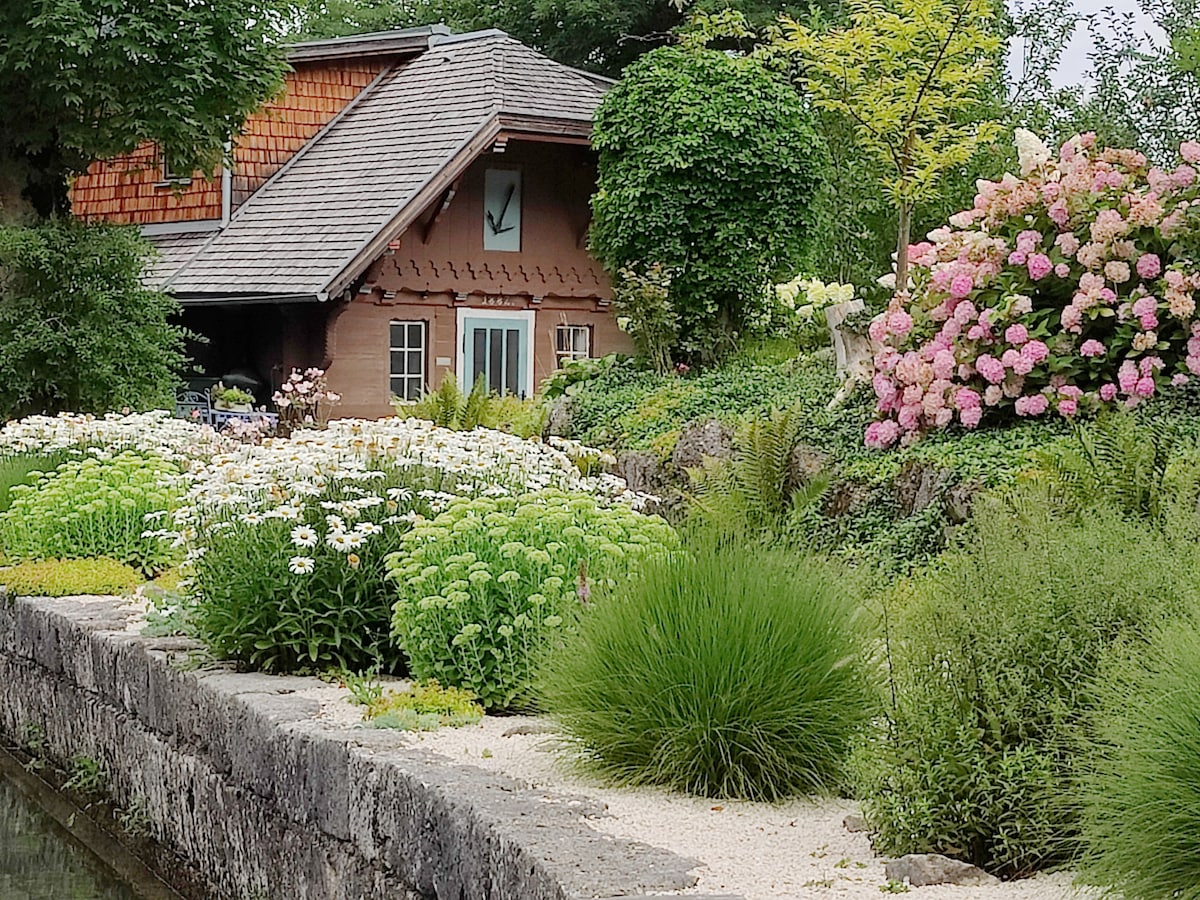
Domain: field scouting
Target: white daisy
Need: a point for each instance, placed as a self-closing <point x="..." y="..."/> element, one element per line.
<point x="304" y="536"/>
<point x="301" y="565"/>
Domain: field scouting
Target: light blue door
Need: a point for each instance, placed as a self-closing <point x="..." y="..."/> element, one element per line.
<point x="497" y="351"/>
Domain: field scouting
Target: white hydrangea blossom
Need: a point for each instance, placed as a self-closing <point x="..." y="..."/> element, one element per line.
<point x="1032" y="153"/>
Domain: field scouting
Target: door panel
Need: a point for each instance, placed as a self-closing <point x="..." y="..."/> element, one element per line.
<point x="497" y="351"/>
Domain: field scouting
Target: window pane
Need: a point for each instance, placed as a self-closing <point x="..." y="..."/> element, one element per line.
<point x="496" y="360"/>
<point x="512" y="361"/>
<point x="414" y="389"/>
<point x="415" y="366"/>
<point x="415" y="335"/>
<point x="581" y="342"/>
<point x="397" y="362"/>
<point x="561" y="338"/>
<point x="397" y="335"/>
<point x="478" y="361"/>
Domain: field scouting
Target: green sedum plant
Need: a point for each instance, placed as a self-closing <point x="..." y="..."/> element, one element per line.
<point x="92" y="507"/>
<point x="69" y="577"/>
<point x="1139" y="786"/>
<point x="424" y="707"/>
<point x="716" y="671"/>
<point x="23" y="468"/>
<point x="490" y="586"/>
<point x="990" y="655"/>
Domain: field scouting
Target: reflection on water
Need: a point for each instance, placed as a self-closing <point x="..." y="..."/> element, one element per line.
<point x="40" y="861"/>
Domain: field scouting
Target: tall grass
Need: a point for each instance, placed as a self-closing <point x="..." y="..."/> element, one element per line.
<point x="992" y="653"/>
<point x="21" y="468"/>
<point x="1141" y="786"/>
<point x="718" y="672"/>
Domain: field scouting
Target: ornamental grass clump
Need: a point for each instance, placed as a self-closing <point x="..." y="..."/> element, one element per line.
<point x="1140" y="784"/>
<point x="491" y="586"/>
<point x="91" y="508"/>
<point x="991" y="653"/>
<point x="1070" y="287"/>
<point x="718" y="672"/>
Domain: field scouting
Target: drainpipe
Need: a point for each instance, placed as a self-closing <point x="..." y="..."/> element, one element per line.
<point x="227" y="185"/>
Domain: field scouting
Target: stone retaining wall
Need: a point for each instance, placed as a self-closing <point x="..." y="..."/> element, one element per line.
<point x="239" y="776"/>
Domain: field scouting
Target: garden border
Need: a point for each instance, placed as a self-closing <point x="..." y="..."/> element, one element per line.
<point x="240" y="777"/>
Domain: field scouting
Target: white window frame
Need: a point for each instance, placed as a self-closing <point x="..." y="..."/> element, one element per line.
<point x="406" y="378"/>
<point x="474" y="312"/>
<point x="563" y="357"/>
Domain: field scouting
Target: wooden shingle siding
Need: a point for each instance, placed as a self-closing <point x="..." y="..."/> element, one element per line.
<point x="129" y="189"/>
<point x="315" y="93"/>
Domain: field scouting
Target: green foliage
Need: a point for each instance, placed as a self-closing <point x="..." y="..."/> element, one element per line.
<point x="89" y="508"/>
<point x="562" y="380"/>
<point x="86" y="775"/>
<point x="990" y="656"/>
<point x="85" y="80"/>
<point x="716" y="671"/>
<point x="642" y="301"/>
<point x="912" y="78"/>
<point x="1141" y="796"/>
<point x="79" y="330"/>
<point x="1117" y="459"/>
<point x="448" y="408"/>
<point x="424" y="707"/>
<point x="22" y="468"/>
<point x="755" y="489"/>
<point x="491" y="585"/>
<point x="708" y="164"/>
<point x="69" y="577"/>
<point x="271" y="594"/>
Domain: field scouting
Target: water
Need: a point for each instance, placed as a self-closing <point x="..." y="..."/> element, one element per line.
<point x="40" y="860"/>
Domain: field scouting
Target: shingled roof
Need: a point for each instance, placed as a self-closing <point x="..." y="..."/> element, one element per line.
<point x="322" y="219"/>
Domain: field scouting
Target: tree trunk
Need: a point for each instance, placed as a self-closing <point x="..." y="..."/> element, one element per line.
<point x="902" y="239"/>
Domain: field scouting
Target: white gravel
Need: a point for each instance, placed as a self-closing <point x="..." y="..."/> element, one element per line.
<point x="758" y="850"/>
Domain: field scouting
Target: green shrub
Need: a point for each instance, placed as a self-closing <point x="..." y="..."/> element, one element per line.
<point x="23" y="468"/>
<point x="283" y="593"/>
<point x="92" y="507"/>
<point x="991" y="652"/>
<point x="448" y="408"/>
<point x="719" y="672"/>
<point x="1140" y="786"/>
<point x="79" y="328"/>
<point x="490" y="585"/>
<point x="69" y="577"/>
<point x="424" y="707"/>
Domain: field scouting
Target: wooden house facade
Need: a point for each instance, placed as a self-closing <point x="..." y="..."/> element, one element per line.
<point x="415" y="202"/>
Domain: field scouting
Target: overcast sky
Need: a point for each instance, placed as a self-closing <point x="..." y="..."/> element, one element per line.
<point x="1075" y="61"/>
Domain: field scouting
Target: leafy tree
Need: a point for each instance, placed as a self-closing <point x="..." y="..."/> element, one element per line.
<point x="599" y="35"/>
<point x="708" y="164"/>
<point x="78" y="329"/>
<point x="90" y="79"/>
<point x="909" y="75"/>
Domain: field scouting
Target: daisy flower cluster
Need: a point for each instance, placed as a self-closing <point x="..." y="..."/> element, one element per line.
<point x="1070" y="286"/>
<point x="156" y="433"/>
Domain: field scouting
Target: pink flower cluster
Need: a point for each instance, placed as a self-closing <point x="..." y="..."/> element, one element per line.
<point x="1055" y="292"/>
<point x="304" y="399"/>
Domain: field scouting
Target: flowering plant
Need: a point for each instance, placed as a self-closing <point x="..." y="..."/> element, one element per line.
<point x="304" y="399"/>
<point x="488" y="586"/>
<point x="1067" y="287"/>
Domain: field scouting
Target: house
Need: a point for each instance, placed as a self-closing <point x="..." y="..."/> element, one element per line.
<point x="415" y="202"/>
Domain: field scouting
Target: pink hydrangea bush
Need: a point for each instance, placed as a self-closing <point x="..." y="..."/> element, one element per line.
<point x="1060" y="290"/>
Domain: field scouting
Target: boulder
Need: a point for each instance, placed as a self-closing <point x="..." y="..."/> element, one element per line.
<point x="710" y="439"/>
<point x="558" y="423"/>
<point x="921" y="869"/>
<point x="642" y="470"/>
<point x="918" y="485"/>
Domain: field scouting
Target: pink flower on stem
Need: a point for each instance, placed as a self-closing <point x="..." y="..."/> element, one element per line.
<point x="1190" y="151"/>
<point x="1149" y="265"/>
<point x="1068" y="407"/>
<point x="1091" y="348"/>
<point x="899" y="322"/>
<point x="1016" y="334"/>
<point x="1145" y="387"/>
<point x="1035" y="351"/>
<point x="970" y="416"/>
<point x="961" y="286"/>
<point x="1127" y="377"/>
<point x="1108" y="392"/>
<point x="1039" y="266"/>
<point x="990" y="368"/>
<point x="1031" y="406"/>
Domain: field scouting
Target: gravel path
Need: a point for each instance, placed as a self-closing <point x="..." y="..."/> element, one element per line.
<point x="758" y="850"/>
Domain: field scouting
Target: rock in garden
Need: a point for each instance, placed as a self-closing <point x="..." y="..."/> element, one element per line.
<point x="855" y="824"/>
<point x="920" y="869"/>
<point x="710" y="439"/>
<point x="559" y="421"/>
<point x="642" y="471"/>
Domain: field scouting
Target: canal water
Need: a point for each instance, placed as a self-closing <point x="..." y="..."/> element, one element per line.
<point x="40" y="860"/>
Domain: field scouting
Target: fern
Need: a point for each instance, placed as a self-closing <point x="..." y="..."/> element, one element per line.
<point x="477" y="408"/>
<point x="756" y="488"/>
<point x="1115" y="460"/>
